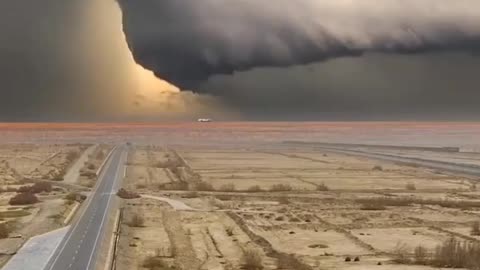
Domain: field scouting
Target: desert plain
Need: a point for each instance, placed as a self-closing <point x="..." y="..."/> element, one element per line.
<point x="237" y="197"/>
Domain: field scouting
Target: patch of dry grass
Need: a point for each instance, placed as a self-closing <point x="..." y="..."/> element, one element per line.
<point x="283" y="200"/>
<point x="457" y="254"/>
<point x="475" y="230"/>
<point x="190" y="195"/>
<point x="410" y="186"/>
<point x="408" y="201"/>
<point x="452" y="253"/>
<point x="36" y="188"/>
<point x="227" y="188"/>
<point x="252" y="260"/>
<point x="281" y="187"/>
<point x="125" y="194"/>
<point x="224" y="197"/>
<point x="255" y="188"/>
<point x="4" y="230"/>
<point x="322" y="187"/>
<point x="177" y="185"/>
<point x="136" y="221"/>
<point x="230" y="229"/>
<point x="401" y="254"/>
<point x="23" y="199"/>
<point x="204" y="186"/>
<point x="288" y="261"/>
<point x="156" y="263"/>
<point x="421" y="255"/>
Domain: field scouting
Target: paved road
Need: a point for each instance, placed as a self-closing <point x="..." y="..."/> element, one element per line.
<point x="458" y="168"/>
<point x="79" y="248"/>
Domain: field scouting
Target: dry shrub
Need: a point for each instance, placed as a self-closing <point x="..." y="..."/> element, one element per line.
<point x="408" y="201"/>
<point x="421" y="255"/>
<point x="75" y="196"/>
<point x="288" y="261"/>
<point x="23" y="199"/>
<point x="372" y="207"/>
<point x="58" y="176"/>
<point x="229" y="230"/>
<point x="136" y="221"/>
<point x="36" y="188"/>
<point x="294" y="219"/>
<point x="91" y="166"/>
<point x="8" y="189"/>
<point x="377" y="168"/>
<point x="140" y="186"/>
<point x="227" y="188"/>
<point x="24" y="189"/>
<point x="125" y="194"/>
<point x="72" y="155"/>
<point x="41" y="187"/>
<point x="283" y="200"/>
<point x="190" y="195"/>
<point x="401" y="254"/>
<point x="323" y="187"/>
<point x="452" y="253"/>
<point x="252" y="260"/>
<point x="457" y="254"/>
<point x="255" y="188"/>
<point x="88" y="174"/>
<point x="204" y="186"/>
<point x="4" y="230"/>
<point x="156" y="263"/>
<point x="475" y="230"/>
<point x="410" y="186"/>
<point x="171" y="164"/>
<point x="281" y="187"/>
<point x="177" y="185"/>
<point x="224" y="197"/>
<point x="100" y="155"/>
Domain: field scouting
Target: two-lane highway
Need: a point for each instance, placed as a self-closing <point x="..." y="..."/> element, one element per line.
<point x="79" y="248"/>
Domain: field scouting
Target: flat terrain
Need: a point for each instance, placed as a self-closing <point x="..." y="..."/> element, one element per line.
<point x="294" y="208"/>
<point x="24" y="167"/>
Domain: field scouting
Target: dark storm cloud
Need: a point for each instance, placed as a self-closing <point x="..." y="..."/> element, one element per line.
<point x="64" y="60"/>
<point x="30" y="55"/>
<point x="56" y="62"/>
<point x="375" y="86"/>
<point x="188" y="41"/>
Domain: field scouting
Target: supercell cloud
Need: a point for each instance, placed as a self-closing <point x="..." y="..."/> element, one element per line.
<point x="188" y="41"/>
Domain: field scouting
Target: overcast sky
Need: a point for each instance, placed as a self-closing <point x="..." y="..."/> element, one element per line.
<point x="248" y="59"/>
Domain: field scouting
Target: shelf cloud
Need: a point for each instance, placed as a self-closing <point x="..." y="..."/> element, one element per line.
<point x="186" y="42"/>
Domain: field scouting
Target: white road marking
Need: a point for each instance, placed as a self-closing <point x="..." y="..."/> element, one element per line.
<point x="104" y="214"/>
<point x="89" y="200"/>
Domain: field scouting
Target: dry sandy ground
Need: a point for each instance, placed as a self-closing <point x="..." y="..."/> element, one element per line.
<point x="36" y="161"/>
<point x="94" y="160"/>
<point x="321" y="221"/>
<point x="20" y="165"/>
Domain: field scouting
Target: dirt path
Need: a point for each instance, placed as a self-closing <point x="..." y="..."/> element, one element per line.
<point x="73" y="173"/>
<point x="175" y="204"/>
<point x="185" y="257"/>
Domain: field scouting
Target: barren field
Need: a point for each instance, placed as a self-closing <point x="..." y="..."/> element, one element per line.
<point x="33" y="199"/>
<point x="287" y="209"/>
<point x="88" y="173"/>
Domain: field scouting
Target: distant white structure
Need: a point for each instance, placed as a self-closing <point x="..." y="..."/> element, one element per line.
<point x="203" y="120"/>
